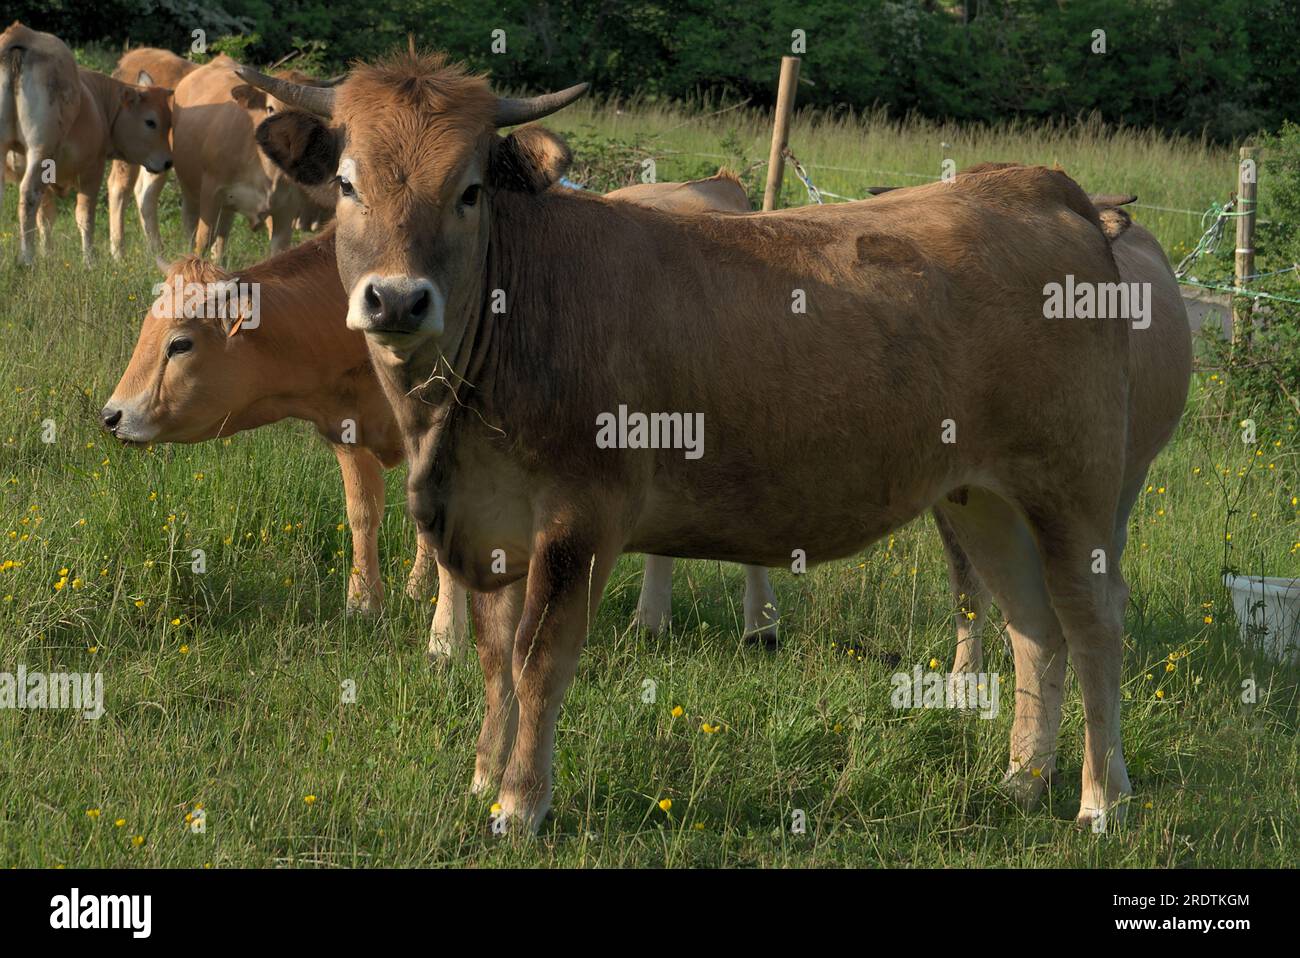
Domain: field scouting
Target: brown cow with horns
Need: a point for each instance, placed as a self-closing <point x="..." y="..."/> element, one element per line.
<point x="833" y="352"/>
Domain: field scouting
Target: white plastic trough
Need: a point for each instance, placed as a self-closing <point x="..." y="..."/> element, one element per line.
<point x="1268" y="614"/>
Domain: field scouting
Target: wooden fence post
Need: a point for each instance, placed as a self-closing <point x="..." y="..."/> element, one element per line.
<point x="1247" y="174"/>
<point x="781" y="130"/>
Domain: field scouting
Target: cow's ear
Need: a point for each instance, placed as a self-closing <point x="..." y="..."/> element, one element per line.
<point x="249" y="97"/>
<point x="144" y="79"/>
<point x="301" y="145"/>
<point x="529" y="160"/>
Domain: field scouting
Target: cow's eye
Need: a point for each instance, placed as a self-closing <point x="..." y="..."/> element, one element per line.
<point x="345" y="186"/>
<point x="270" y="109"/>
<point x="470" y="196"/>
<point x="179" y="345"/>
<point x="151" y="124"/>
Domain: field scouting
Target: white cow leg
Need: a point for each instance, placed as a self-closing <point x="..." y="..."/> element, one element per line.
<point x="449" y="635"/>
<point x="654" y="610"/>
<point x="761" y="615"/>
<point x="147" y="191"/>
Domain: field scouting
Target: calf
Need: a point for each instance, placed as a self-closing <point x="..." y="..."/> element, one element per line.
<point x="147" y="66"/>
<point x="59" y="125"/>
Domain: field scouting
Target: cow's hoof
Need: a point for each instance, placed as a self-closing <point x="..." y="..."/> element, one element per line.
<point x="1101" y="820"/>
<point x="1026" y="785"/>
<point x="652" y="623"/>
<point x="766" y="637"/>
<point x="364" y="604"/>
<point x="520" y="817"/>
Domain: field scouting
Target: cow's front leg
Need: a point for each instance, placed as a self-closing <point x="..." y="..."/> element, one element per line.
<point x="450" y="633"/>
<point x="122" y="178"/>
<point x="566" y="578"/>
<point x="363" y="486"/>
<point x="420" y="581"/>
<point x="496" y="618"/>
<point x="147" y="191"/>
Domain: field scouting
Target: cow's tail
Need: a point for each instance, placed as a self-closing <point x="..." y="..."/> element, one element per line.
<point x="11" y="63"/>
<point x="1114" y="221"/>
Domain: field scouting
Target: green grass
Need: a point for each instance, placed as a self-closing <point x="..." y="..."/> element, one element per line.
<point x="249" y="721"/>
<point x="847" y="154"/>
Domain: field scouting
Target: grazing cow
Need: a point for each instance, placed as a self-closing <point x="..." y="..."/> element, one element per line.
<point x="59" y="125"/>
<point x="190" y="380"/>
<point x="197" y="374"/>
<point x="856" y="364"/>
<point x="147" y="66"/>
<point x="220" y="169"/>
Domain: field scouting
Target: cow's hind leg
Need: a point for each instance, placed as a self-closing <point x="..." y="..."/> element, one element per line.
<point x="46" y="214"/>
<point x="87" y="196"/>
<point x="998" y="541"/>
<point x="1086" y="586"/>
<point x="31" y="193"/>
<point x="496" y="619"/>
<point x="971" y="597"/>
<point x="567" y="573"/>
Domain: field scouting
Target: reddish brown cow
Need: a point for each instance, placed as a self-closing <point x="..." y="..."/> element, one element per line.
<point x="833" y="351"/>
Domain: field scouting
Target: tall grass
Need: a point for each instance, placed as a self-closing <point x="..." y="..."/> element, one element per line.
<point x="847" y="153"/>
<point x="224" y="690"/>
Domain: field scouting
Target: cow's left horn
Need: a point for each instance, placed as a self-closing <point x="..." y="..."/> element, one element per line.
<point x="512" y="112"/>
<point x="313" y="99"/>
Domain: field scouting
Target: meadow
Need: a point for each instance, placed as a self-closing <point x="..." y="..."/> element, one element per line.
<point x="226" y="691"/>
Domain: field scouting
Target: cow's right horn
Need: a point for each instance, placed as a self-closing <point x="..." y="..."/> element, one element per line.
<point x="313" y="99"/>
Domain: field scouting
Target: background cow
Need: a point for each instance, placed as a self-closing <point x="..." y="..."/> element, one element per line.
<point x="59" y="125"/>
<point x="148" y="66"/>
<point x="220" y="169"/>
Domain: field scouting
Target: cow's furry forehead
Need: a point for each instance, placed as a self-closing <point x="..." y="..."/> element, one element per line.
<point x="410" y="119"/>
